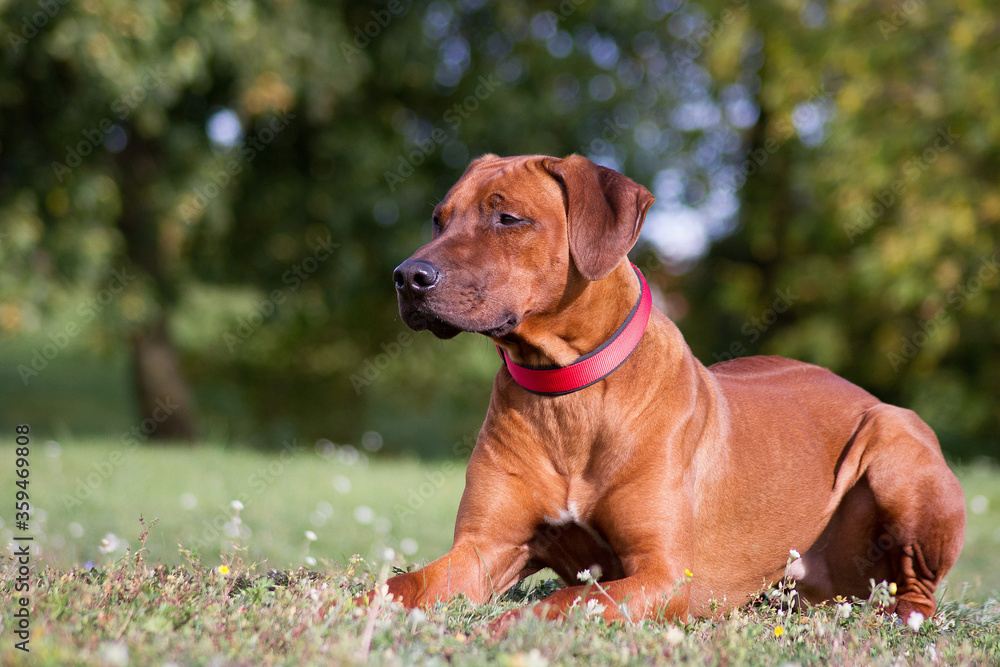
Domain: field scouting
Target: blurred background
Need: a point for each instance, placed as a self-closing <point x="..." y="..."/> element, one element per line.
<point x="201" y="203"/>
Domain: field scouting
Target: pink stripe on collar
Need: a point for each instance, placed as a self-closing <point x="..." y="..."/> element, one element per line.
<point x="591" y="367"/>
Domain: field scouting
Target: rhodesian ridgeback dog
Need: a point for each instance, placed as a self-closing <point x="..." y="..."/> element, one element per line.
<point x="608" y="443"/>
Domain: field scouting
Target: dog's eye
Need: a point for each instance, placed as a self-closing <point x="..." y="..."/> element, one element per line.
<point x="506" y="219"/>
<point x="436" y="223"/>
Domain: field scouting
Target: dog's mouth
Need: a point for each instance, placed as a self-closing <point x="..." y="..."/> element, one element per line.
<point x="446" y="328"/>
<point x="509" y="324"/>
<point x="419" y="321"/>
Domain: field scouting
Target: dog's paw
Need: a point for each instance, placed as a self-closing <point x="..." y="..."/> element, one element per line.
<point x="364" y="599"/>
<point x="501" y="625"/>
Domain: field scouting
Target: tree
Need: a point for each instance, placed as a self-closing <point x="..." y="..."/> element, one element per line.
<point x="223" y="148"/>
<point x="260" y="169"/>
<point x="877" y="212"/>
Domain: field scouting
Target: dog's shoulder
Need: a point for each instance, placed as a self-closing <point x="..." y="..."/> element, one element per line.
<point x="763" y="364"/>
<point x="786" y="376"/>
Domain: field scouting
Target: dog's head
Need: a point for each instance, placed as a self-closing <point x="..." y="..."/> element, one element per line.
<point x="518" y="237"/>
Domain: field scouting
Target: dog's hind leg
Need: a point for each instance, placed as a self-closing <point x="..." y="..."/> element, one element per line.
<point x="848" y="554"/>
<point x="916" y="524"/>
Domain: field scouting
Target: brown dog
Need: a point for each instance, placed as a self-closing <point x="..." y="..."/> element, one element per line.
<point x="684" y="484"/>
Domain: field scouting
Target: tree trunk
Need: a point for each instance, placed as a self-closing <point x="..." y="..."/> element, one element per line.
<point x="166" y="406"/>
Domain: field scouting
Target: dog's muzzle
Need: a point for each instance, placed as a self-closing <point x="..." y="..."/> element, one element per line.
<point x="415" y="280"/>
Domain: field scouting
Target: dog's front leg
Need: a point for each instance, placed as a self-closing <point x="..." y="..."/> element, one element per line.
<point x="479" y="569"/>
<point x="656" y="594"/>
<point x="656" y="553"/>
<point x="496" y="518"/>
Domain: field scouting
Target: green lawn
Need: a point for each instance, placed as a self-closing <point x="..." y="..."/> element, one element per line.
<point x="353" y="504"/>
<point x="82" y="491"/>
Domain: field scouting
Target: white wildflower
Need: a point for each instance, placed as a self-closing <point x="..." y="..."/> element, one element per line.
<point x="113" y="653"/>
<point x="595" y="608"/>
<point x="110" y="544"/>
<point x="674" y="635"/>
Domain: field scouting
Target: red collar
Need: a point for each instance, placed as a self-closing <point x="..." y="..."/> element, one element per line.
<point x="594" y="366"/>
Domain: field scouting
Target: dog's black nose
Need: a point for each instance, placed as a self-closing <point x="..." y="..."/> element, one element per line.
<point x="416" y="276"/>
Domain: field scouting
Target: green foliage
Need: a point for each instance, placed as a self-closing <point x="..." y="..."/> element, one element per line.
<point x="355" y="118"/>
<point x="886" y="231"/>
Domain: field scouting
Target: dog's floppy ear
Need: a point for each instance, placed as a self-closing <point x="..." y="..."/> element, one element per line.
<point x="605" y="212"/>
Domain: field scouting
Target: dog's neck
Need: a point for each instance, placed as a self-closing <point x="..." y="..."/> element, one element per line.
<point x="589" y="316"/>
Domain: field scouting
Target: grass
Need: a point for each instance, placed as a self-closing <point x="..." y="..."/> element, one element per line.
<point x="163" y="597"/>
